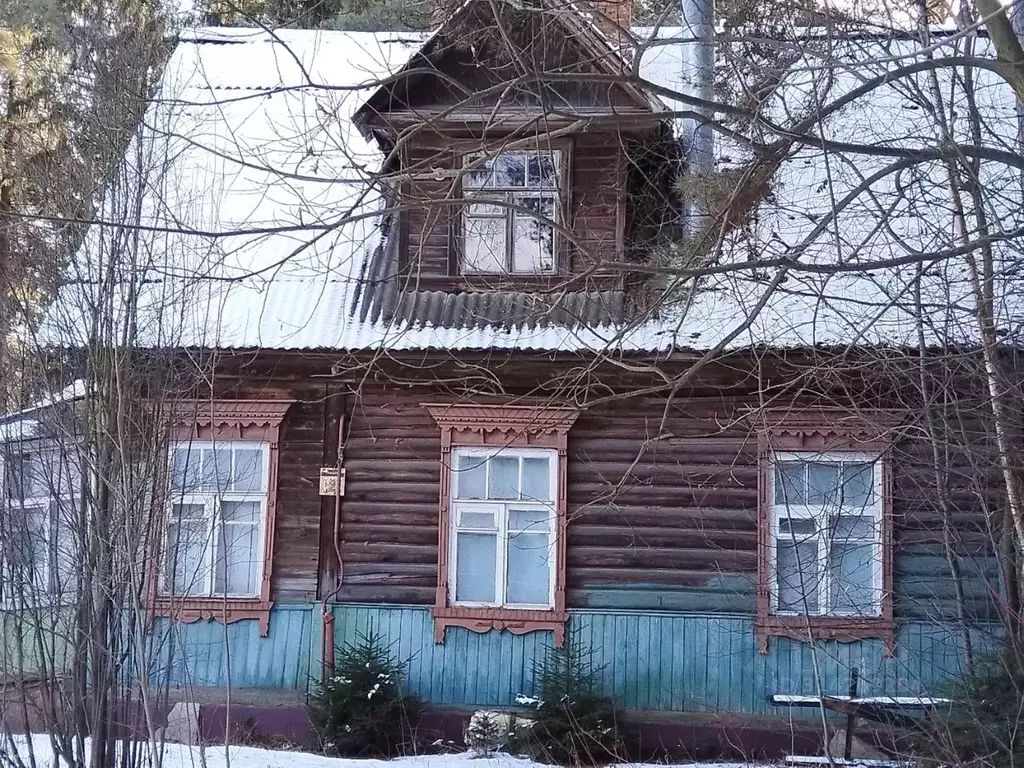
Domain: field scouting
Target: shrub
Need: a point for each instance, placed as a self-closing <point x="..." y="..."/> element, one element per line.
<point x="573" y="724"/>
<point x="986" y="719"/>
<point x="361" y="710"/>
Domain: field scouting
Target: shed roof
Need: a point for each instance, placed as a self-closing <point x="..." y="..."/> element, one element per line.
<point x="260" y="225"/>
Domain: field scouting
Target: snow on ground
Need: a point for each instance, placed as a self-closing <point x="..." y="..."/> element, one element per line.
<point x="180" y="756"/>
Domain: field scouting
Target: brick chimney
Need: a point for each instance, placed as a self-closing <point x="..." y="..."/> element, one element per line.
<point x="614" y="18"/>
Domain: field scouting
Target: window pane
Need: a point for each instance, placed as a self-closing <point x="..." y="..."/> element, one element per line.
<point x="529" y="520"/>
<point x="796" y="566"/>
<point x="479" y="172"/>
<point x="822" y="483"/>
<point x="186" y="557"/>
<point x="536" y="479"/>
<point x="216" y="472"/>
<point x="248" y="473"/>
<point x="26" y="475"/>
<point x="504" y="477"/>
<point x="529" y="569"/>
<point x="541" y="170"/>
<point x="533" y="237"/>
<point x="510" y="169"/>
<point x="39" y="482"/>
<point x="237" y="556"/>
<point x="470" y="476"/>
<point x="485" y="245"/>
<point x="852" y="569"/>
<point x="796" y="527"/>
<point x="475" y="567"/>
<point x="185" y="468"/>
<point x="189" y="512"/>
<point x="483" y="521"/>
<point x="789" y="483"/>
<point x="858" y="485"/>
<point x="853" y="527"/>
<point x="240" y="511"/>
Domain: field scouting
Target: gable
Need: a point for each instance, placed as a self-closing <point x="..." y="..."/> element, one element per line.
<point x="504" y="56"/>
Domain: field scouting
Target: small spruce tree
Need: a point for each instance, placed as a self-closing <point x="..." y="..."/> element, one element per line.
<point x="360" y="710"/>
<point x="573" y="723"/>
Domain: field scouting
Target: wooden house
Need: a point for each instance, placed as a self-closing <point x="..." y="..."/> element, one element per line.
<point x="468" y="419"/>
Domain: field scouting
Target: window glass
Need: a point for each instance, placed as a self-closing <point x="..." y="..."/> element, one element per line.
<point x="475" y="567"/>
<point x="858" y="484"/>
<point x="851" y="567"/>
<point x="529" y="569"/>
<point x="533" y="246"/>
<point x="485" y="244"/>
<point x="531" y="520"/>
<point x="828" y="546"/>
<point x="471" y="476"/>
<point x="479" y="520"/>
<point x="213" y="541"/>
<point x="236" y="560"/>
<point x="797" y="527"/>
<point x="188" y="538"/>
<point x="248" y="472"/>
<point x="536" y="479"/>
<point x="797" y="567"/>
<point x="503" y="539"/>
<point x="822" y="483"/>
<point x="503" y="477"/>
<point x="789" y="483"/>
<point x="519" y="236"/>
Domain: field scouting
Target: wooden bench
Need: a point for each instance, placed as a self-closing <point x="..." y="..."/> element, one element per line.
<point x="891" y="710"/>
<point x="865" y="762"/>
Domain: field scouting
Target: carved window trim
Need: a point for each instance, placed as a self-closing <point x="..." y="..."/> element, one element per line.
<point x="501" y="426"/>
<point x="830" y="430"/>
<point x="221" y="421"/>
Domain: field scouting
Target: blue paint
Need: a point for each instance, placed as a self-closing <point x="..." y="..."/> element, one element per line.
<point x="648" y="660"/>
<point x="208" y="653"/>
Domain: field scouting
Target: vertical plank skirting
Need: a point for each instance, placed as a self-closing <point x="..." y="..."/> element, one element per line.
<point x="653" y="661"/>
<point x="648" y="661"/>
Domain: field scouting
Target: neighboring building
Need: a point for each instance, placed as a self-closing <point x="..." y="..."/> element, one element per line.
<point x="517" y="459"/>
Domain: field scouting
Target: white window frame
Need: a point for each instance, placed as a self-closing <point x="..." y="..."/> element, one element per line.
<point x="212" y="502"/>
<point x="507" y="198"/>
<point x="45" y="592"/>
<point x="501" y="509"/>
<point x="778" y="511"/>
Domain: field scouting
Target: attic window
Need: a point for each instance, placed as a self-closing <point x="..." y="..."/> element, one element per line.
<point x="512" y="205"/>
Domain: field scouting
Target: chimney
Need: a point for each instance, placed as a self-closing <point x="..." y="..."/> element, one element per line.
<point x="614" y="18"/>
<point x="697" y="19"/>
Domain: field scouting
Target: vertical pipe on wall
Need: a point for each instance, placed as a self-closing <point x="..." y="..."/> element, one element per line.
<point x="697" y="19"/>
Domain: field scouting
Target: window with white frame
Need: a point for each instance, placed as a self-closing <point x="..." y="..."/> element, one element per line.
<point x="826" y="534"/>
<point x="502" y="527"/>
<point x="215" y="519"/>
<point x="512" y="202"/>
<point x="37" y="562"/>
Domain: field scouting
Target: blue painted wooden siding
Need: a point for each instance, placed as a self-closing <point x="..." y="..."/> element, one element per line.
<point x="654" y="661"/>
<point x="208" y="653"/>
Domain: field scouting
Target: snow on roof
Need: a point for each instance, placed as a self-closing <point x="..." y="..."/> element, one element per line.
<point x="259" y="218"/>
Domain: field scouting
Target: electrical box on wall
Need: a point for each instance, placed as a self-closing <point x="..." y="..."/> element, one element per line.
<point x="332" y="481"/>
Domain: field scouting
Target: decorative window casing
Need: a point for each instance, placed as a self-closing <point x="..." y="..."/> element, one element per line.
<point x="825" y="526"/>
<point x="502" y="527"/>
<point x="216" y="558"/>
<point x="513" y="202"/>
<point x="40" y="503"/>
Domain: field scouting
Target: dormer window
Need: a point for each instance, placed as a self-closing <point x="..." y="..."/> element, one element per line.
<point x="512" y="202"/>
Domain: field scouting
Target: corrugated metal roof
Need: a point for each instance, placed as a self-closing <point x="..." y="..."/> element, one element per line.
<point x="262" y="228"/>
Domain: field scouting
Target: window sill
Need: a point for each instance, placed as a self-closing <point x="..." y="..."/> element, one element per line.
<point x="225" y="609"/>
<point x="844" y="629"/>
<point x="515" y="620"/>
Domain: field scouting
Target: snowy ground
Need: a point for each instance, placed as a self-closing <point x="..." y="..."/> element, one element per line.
<point x="178" y="756"/>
